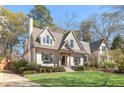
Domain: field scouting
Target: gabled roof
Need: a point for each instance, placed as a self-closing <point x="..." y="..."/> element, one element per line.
<point x="37" y="32"/>
<point x="96" y="44"/>
<point x="66" y="35"/>
<point x="60" y="40"/>
<point x="67" y="47"/>
<point x="86" y="46"/>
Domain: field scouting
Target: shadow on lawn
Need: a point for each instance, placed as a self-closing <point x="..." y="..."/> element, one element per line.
<point x="63" y="82"/>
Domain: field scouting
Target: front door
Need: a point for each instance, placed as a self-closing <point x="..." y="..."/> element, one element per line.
<point x="63" y="60"/>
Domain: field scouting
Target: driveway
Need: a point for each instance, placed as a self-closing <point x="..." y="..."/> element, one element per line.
<point x="8" y="79"/>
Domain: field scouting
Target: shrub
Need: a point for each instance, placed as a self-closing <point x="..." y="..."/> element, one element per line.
<point x="29" y="72"/>
<point x="22" y="69"/>
<point x="59" y="69"/>
<point x="118" y="57"/>
<point x="31" y="66"/>
<point x="120" y="66"/>
<point x="90" y="64"/>
<point x="21" y="63"/>
<point x="78" y="68"/>
<point x="107" y="65"/>
<point x="49" y="69"/>
<point x="42" y="70"/>
<point x="15" y="65"/>
<point x="37" y="68"/>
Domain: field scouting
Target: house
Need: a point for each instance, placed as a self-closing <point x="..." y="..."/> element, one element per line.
<point x="50" y="48"/>
<point x="98" y="49"/>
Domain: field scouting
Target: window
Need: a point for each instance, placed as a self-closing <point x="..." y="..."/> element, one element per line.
<point x="50" y="41"/>
<point x="77" y="60"/>
<point x="47" y="39"/>
<point x="43" y="40"/>
<point x="72" y="43"/>
<point x="85" y="59"/>
<point x="103" y="48"/>
<point x="46" y="57"/>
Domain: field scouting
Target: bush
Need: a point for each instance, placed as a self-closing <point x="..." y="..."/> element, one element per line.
<point x="59" y="69"/>
<point x="42" y="70"/>
<point x="120" y="66"/>
<point x="107" y="65"/>
<point x="37" y="68"/>
<point x="21" y="70"/>
<point x="16" y="65"/>
<point x="29" y="72"/>
<point x="49" y="69"/>
<point x="31" y="66"/>
<point x="78" y="68"/>
<point x="91" y="64"/>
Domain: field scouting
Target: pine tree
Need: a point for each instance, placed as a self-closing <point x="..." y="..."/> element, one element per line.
<point x="41" y="16"/>
<point x="117" y="42"/>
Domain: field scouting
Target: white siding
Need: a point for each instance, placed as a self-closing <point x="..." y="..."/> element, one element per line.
<point x="38" y="58"/>
<point x="71" y="37"/>
<point x="54" y="53"/>
<point x="100" y="49"/>
<point x="43" y="35"/>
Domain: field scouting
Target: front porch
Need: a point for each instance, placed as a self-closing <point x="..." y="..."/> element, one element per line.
<point x="65" y="59"/>
<point x="68" y="59"/>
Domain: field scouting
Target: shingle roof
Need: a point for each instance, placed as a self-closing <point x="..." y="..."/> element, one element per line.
<point x="95" y="45"/>
<point x="59" y="40"/>
<point x="86" y="46"/>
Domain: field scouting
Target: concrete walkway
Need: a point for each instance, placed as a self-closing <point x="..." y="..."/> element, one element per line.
<point x="8" y="79"/>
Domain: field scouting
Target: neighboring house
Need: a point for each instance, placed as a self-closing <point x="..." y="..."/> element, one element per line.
<point x="50" y="48"/>
<point x="98" y="49"/>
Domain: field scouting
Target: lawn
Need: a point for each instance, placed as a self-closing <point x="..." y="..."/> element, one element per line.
<point x="86" y="79"/>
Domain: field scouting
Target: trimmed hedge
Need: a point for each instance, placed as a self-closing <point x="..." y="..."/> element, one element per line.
<point x="22" y="69"/>
<point x="50" y="69"/>
<point x="21" y="66"/>
<point x="59" y="69"/>
<point x="29" y="72"/>
<point x="78" y="68"/>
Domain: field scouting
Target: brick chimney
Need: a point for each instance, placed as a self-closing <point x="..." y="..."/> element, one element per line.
<point x="30" y="32"/>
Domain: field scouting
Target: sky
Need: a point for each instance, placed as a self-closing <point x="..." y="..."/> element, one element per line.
<point x="58" y="11"/>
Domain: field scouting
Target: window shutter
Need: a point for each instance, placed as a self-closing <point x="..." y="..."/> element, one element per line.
<point x="51" y="57"/>
<point x="42" y="56"/>
<point x="79" y="59"/>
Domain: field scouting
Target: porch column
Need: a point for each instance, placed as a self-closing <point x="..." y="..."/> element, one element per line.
<point x="81" y="60"/>
<point x="68" y="61"/>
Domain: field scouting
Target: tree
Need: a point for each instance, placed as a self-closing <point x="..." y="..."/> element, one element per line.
<point x="118" y="57"/>
<point x="106" y="25"/>
<point x="117" y="42"/>
<point x="41" y="16"/>
<point x="85" y="33"/>
<point x="70" y="22"/>
<point x="15" y="29"/>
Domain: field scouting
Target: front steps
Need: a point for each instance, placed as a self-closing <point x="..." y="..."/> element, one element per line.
<point x="68" y="69"/>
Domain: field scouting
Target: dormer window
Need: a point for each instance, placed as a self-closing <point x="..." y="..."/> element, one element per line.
<point x="44" y="40"/>
<point x="103" y="48"/>
<point x="47" y="39"/>
<point x="50" y="41"/>
<point x="72" y="43"/>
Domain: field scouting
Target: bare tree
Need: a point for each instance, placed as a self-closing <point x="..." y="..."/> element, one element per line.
<point x="85" y="33"/>
<point x="106" y="26"/>
<point x="70" y="21"/>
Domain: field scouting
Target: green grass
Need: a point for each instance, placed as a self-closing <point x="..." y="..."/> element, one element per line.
<point x="86" y="79"/>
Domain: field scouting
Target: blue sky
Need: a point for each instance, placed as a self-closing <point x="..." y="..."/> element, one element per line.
<point x="58" y="11"/>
